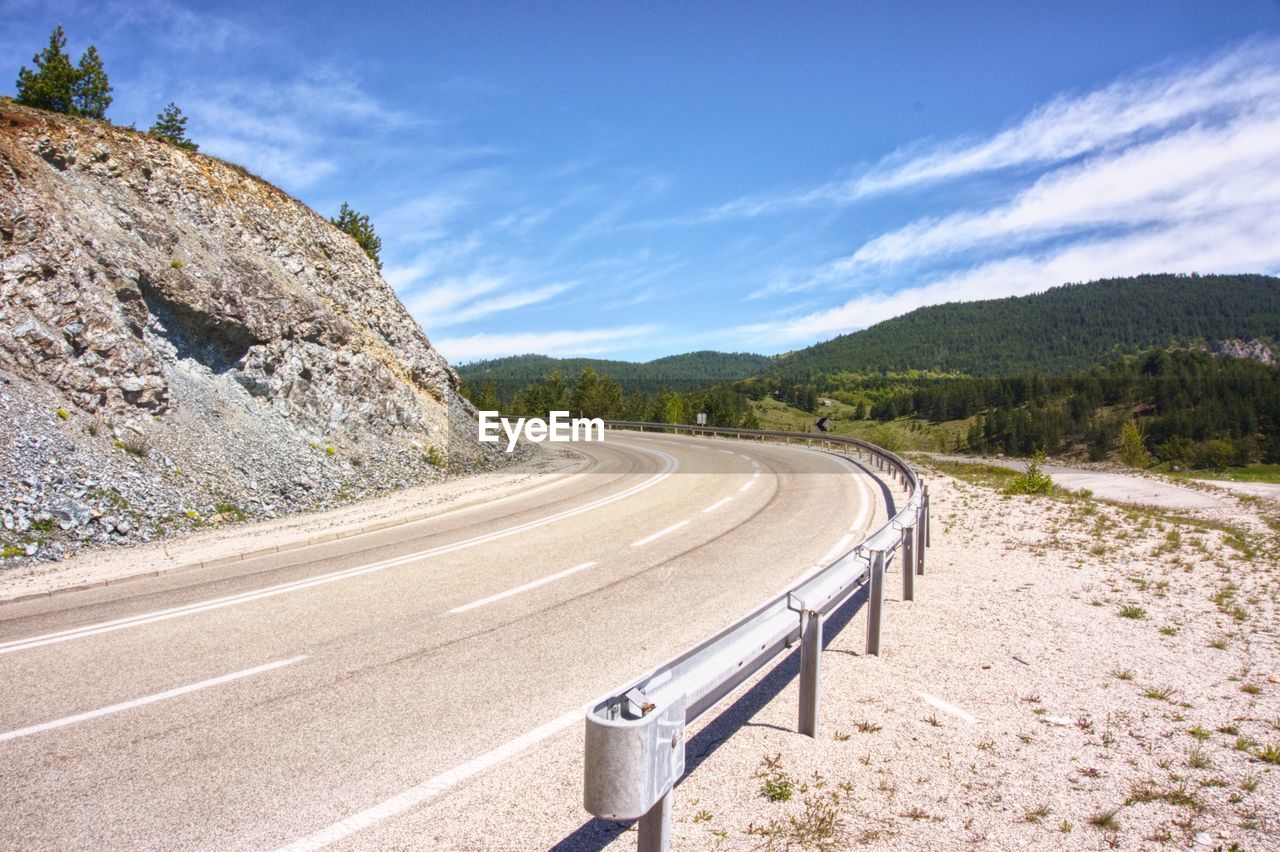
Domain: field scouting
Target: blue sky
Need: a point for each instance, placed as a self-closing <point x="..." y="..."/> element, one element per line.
<point x="640" y="179"/>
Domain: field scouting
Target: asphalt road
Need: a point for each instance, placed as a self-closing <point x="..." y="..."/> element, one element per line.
<point x="310" y="695"/>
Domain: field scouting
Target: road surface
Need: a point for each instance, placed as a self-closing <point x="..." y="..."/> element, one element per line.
<point x="312" y="696"/>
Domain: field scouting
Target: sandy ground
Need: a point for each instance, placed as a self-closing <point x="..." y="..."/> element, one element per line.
<point x="1073" y="675"/>
<point x="1125" y="487"/>
<point x="232" y="541"/>
<point x="1090" y="729"/>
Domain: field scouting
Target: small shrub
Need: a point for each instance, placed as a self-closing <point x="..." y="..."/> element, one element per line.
<point x="134" y="447"/>
<point x="1132" y="611"/>
<point x="176" y="264"/>
<point x="230" y="510"/>
<point x="777" y="786"/>
<point x="1105" y="820"/>
<point x="62" y="413"/>
<point x="1037" y="814"/>
<point x="330" y="451"/>
<point x="1033" y="480"/>
<point x="433" y="457"/>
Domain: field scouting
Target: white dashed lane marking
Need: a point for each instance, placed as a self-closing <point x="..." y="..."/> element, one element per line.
<point x="659" y="534"/>
<point x="559" y="575"/>
<point x="149" y="699"/>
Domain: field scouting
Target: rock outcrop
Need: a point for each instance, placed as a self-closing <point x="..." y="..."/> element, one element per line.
<point x="184" y="340"/>
<point x="1253" y="350"/>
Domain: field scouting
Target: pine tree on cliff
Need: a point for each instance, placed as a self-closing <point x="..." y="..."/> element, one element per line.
<point x="91" y="94"/>
<point x="171" y="126"/>
<point x="359" y="227"/>
<point x="57" y="85"/>
<point x="52" y="85"/>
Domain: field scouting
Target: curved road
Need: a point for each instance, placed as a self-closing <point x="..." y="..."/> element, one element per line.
<point x="306" y="696"/>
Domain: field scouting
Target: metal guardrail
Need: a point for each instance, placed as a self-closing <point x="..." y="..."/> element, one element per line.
<point x="635" y="738"/>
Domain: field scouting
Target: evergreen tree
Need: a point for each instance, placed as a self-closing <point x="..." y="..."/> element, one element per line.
<point x="360" y="229"/>
<point x="52" y="85"/>
<point x="171" y="126"/>
<point x="91" y="94"/>
<point x="488" y="397"/>
<point x="1133" y="445"/>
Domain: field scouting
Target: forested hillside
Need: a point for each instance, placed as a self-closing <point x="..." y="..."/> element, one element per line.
<point x="1184" y="407"/>
<point x="1071" y="327"/>
<point x="675" y="372"/>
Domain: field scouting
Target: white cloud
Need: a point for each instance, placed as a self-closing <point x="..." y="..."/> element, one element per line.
<point x="291" y="169"/>
<point x="1186" y="176"/>
<point x="292" y="132"/>
<point x="1239" y="240"/>
<point x="403" y="276"/>
<point x="453" y="293"/>
<point x="556" y="343"/>
<point x="424" y="219"/>
<point x="498" y="303"/>
<point x="471" y="297"/>
<point x="1066" y="127"/>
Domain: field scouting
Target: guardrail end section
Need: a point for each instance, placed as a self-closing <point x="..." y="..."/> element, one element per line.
<point x="631" y="763"/>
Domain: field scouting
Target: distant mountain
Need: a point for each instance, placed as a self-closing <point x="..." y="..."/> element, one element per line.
<point x="674" y="372"/>
<point x="1071" y="327"/>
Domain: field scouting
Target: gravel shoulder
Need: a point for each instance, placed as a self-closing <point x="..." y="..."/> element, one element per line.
<point x="1073" y="674"/>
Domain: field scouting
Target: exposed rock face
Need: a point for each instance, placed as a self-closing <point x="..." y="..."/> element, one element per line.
<point x="175" y="306"/>
<point x="1254" y="350"/>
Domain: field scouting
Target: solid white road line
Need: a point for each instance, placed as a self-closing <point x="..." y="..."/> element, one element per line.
<point x="150" y="699"/>
<point x="947" y="708"/>
<point x="659" y="534"/>
<point x="433" y="787"/>
<point x="526" y="587"/>
<point x="283" y="588"/>
<point x="716" y="505"/>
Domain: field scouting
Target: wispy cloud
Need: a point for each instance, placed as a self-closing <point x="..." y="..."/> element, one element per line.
<point x="594" y="341"/>
<point x="1236" y="240"/>
<point x="1189" y="175"/>
<point x="293" y="132"/>
<point x="465" y="299"/>
<point x="1066" y="127"/>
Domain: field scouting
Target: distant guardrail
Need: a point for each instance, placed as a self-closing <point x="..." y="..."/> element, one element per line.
<point x="635" y="738"/>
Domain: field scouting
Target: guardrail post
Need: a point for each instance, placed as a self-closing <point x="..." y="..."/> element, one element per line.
<point x="919" y="534"/>
<point x="655" y="827"/>
<point x="908" y="564"/>
<point x="875" y="602"/>
<point x="810" y="679"/>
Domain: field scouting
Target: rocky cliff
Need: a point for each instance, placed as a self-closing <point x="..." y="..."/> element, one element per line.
<point x="181" y="342"/>
<point x="1253" y="350"/>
